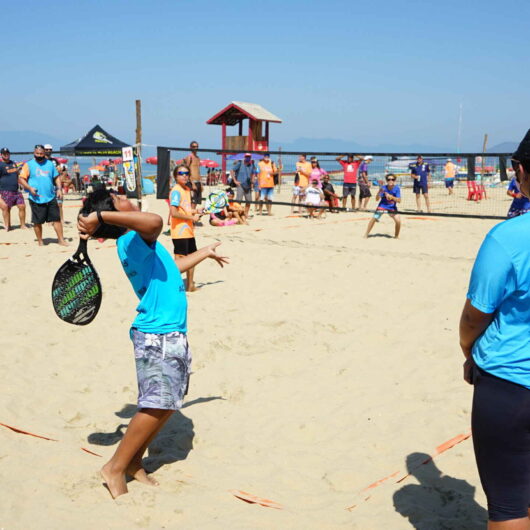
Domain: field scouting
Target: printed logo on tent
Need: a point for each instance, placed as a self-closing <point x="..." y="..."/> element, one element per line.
<point x="100" y="138"/>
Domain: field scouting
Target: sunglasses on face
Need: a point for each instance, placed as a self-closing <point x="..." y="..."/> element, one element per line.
<point x="390" y="180"/>
<point x="181" y="173"/>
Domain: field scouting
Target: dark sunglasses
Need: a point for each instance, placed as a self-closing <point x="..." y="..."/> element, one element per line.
<point x="388" y="180"/>
<point x="515" y="164"/>
<point x="183" y="172"/>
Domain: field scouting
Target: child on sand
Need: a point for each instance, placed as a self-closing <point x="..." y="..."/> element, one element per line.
<point x="184" y="213"/>
<point x="390" y="196"/>
<point x="158" y="333"/>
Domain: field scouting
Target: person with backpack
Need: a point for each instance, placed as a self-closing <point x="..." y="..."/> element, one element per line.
<point x="244" y="174"/>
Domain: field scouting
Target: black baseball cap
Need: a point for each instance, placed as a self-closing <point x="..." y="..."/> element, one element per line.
<point x="4" y="150"/>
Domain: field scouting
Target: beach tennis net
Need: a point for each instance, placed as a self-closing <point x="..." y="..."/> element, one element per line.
<point x="478" y="189"/>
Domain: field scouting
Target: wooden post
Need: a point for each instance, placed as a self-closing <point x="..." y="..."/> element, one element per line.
<point x="139" y="151"/>
<point x="484" y="145"/>
<point x="223" y="156"/>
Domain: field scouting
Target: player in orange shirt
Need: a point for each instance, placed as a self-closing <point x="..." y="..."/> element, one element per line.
<point x="183" y="215"/>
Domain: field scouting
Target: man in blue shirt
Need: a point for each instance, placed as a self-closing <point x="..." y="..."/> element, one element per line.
<point x="420" y="172"/>
<point x="9" y="194"/>
<point x="390" y="196"/>
<point x="41" y="179"/>
<point x="244" y="176"/>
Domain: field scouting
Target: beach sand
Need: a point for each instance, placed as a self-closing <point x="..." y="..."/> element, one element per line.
<point x="322" y="361"/>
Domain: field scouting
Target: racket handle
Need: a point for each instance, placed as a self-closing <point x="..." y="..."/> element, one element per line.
<point x="81" y="249"/>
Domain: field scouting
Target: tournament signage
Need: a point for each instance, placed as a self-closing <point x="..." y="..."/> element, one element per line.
<point x="129" y="169"/>
<point x="96" y="142"/>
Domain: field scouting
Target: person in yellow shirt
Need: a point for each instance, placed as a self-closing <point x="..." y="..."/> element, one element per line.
<point x="266" y="170"/>
<point x="450" y="173"/>
<point x="183" y="215"/>
<point x="301" y="180"/>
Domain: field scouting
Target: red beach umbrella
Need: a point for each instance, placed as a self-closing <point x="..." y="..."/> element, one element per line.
<point x="104" y="163"/>
<point x="152" y="160"/>
<point x="208" y="163"/>
<point x="62" y="160"/>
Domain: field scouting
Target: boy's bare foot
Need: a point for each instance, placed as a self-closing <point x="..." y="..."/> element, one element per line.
<point x="40" y="242"/>
<point x="137" y="472"/>
<point x="191" y="288"/>
<point x="115" y="482"/>
<point x="63" y="243"/>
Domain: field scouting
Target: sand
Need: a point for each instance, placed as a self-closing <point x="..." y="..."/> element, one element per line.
<point x="321" y="362"/>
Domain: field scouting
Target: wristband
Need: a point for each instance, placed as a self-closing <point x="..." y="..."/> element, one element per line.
<point x="100" y="217"/>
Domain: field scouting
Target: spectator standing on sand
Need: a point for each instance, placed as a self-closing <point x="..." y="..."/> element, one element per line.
<point x="40" y="177"/>
<point x="316" y="171"/>
<point x="301" y="180"/>
<point x="349" y="187"/>
<point x="9" y="194"/>
<point x="76" y="170"/>
<point x="420" y="172"/>
<point x="449" y="176"/>
<point x="193" y="161"/>
<point x="364" y="183"/>
<point x="244" y="175"/>
<point x="520" y="203"/>
<point x="266" y="170"/>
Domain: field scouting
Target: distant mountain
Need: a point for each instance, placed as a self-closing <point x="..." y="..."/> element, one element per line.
<point x="25" y="141"/>
<point x="335" y="145"/>
<point x="505" y="147"/>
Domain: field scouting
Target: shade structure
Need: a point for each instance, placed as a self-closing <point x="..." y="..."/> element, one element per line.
<point x="96" y="142"/>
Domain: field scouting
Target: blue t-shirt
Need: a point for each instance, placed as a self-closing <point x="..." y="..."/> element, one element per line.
<point x="157" y="282"/>
<point x="422" y="170"/>
<point x="500" y="284"/>
<point x="518" y="205"/>
<point x="384" y="203"/>
<point x="8" y="181"/>
<point x="244" y="173"/>
<point x="42" y="177"/>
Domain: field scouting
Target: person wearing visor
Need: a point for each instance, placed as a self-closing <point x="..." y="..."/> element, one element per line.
<point x="494" y="337"/>
<point x="390" y="196"/>
<point x="244" y="174"/>
<point x="9" y="194"/>
<point x="41" y="179"/>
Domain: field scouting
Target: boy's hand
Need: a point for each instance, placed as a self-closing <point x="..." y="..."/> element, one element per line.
<point x="87" y="225"/>
<point x="212" y="254"/>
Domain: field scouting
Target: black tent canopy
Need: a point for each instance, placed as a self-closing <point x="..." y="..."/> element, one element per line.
<point x="96" y="142"/>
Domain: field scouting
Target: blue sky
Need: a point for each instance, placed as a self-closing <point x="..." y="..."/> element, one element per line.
<point x="370" y="72"/>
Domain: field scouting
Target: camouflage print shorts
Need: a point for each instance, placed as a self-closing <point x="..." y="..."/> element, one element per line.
<point x="163" y="365"/>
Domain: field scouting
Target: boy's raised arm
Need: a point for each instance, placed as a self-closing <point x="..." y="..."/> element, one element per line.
<point x="148" y="225"/>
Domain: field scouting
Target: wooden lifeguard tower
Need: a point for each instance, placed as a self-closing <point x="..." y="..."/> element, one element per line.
<point x="257" y="137"/>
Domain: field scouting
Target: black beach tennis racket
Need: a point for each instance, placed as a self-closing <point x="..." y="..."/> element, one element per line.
<point x="76" y="289"/>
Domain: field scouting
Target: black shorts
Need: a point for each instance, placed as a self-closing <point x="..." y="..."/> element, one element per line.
<point x="47" y="212"/>
<point x="500" y="422"/>
<point x="417" y="186"/>
<point x="364" y="192"/>
<point x="348" y="189"/>
<point x="183" y="247"/>
<point x="196" y="195"/>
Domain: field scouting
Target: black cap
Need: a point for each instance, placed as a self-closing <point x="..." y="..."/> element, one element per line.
<point x="4" y="150"/>
<point x="523" y="151"/>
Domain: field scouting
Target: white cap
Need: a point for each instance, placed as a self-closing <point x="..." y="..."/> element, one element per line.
<point x="48" y="146"/>
<point x="369" y="157"/>
<point x="449" y="160"/>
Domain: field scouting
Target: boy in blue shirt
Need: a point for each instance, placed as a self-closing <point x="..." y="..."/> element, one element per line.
<point x="162" y="355"/>
<point x="520" y="203"/>
<point x="390" y="196"/>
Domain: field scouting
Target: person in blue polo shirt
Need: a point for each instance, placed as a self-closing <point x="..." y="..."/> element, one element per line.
<point x="420" y="172"/>
<point x="520" y="203"/>
<point x="390" y="196"/>
<point x="495" y="340"/>
<point x="41" y="179"/>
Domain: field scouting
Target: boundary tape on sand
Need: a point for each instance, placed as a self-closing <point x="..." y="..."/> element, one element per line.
<point x="267" y="503"/>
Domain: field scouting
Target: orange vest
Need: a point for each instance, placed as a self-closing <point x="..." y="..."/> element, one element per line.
<point x="181" y="198"/>
<point x="265" y="177"/>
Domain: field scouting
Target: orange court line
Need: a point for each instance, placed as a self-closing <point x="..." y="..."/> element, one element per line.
<point x="442" y="448"/>
<point x="252" y="499"/>
<point x="89" y="452"/>
<point x="20" y="431"/>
